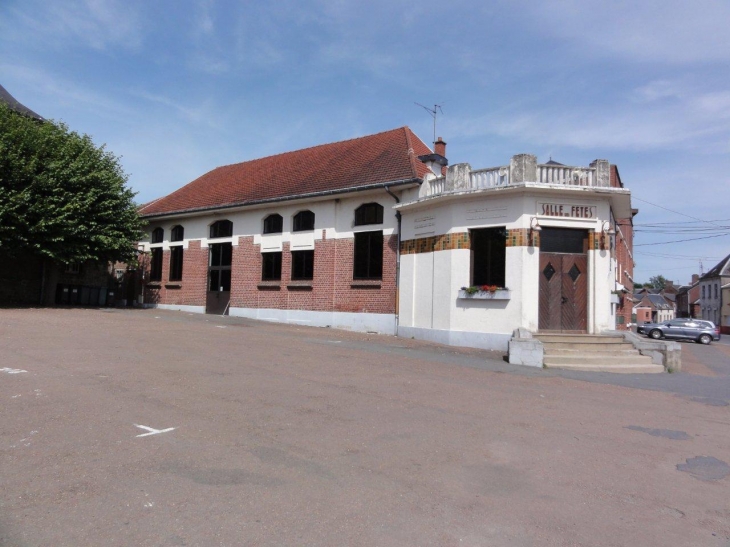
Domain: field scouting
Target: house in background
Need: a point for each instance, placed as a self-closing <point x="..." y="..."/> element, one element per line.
<point x="652" y="307"/>
<point x="688" y="299"/>
<point x="377" y="234"/>
<point x="711" y="294"/>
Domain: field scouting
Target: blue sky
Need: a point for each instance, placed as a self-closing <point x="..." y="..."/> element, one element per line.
<point x="179" y="87"/>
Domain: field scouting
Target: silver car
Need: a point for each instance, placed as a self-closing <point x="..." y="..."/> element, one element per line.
<point x="702" y="332"/>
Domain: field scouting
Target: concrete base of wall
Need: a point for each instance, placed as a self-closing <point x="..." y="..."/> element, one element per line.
<point x="526" y="350"/>
<point x="381" y="323"/>
<point x="177" y="307"/>
<point x="480" y="340"/>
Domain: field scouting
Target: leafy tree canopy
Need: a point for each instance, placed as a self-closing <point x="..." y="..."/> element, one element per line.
<point x="658" y="282"/>
<point x="62" y="197"/>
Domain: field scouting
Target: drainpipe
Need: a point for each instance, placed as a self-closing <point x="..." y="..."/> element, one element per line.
<point x="397" y="261"/>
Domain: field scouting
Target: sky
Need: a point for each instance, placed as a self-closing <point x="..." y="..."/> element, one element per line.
<point x="179" y="87"/>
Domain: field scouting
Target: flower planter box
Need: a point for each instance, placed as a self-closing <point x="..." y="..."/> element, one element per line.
<point x="503" y="294"/>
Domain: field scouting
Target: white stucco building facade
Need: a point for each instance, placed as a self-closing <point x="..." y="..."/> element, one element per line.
<point x="539" y="238"/>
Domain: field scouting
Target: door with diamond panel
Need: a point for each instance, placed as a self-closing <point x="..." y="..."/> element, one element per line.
<point x="563" y="305"/>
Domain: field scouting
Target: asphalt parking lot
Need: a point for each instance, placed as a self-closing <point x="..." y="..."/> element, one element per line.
<point x="144" y="427"/>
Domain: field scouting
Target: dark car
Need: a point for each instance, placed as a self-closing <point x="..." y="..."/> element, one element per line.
<point x="698" y="330"/>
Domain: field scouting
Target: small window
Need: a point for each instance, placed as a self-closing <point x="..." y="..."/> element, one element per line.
<point x="273" y="224"/>
<point x="176" y="263"/>
<point x="156" y="264"/>
<point x="271" y="266"/>
<point x="368" y="259"/>
<point x="221" y="228"/>
<point x="369" y="213"/>
<point x="177" y="233"/>
<point x="703" y="291"/>
<point x="72" y="268"/>
<point x="715" y="290"/>
<point x="302" y="265"/>
<point x="488" y="248"/>
<point x="158" y="234"/>
<point x="303" y="221"/>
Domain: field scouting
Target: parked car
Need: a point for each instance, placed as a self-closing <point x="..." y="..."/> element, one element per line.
<point x="702" y="332"/>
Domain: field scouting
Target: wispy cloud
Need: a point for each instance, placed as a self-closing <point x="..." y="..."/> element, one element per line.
<point x="665" y="115"/>
<point x="667" y="31"/>
<point x="99" y="24"/>
<point x="56" y="95"/>
<point x="202" y="114"/>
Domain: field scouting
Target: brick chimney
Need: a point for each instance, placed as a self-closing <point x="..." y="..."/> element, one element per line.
<point x="440" y="147"/>
<point x="695" y="278"/>
<point x="437" y="161"/>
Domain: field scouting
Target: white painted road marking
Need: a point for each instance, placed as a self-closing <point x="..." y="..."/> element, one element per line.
<point x="12" y="370"/>
<point x="151" y="430"/>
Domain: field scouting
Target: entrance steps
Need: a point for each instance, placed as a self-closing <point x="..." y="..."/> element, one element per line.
<point x="594" y="352"/>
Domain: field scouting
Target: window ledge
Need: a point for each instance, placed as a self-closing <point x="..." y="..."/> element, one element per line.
<point x="173" y="285"/>
<point x="366" y="284"/>
<point x="305" y="285"/>
<point x="154" y="284"/>
<point x="503" y="294"/>
<point x="269" y="285"/>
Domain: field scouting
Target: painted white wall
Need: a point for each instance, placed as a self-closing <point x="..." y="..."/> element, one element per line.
<point x="336" y="215"/>
<point x="430" y="282"/>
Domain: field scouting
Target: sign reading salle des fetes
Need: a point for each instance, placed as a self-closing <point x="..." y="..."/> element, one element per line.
<point x="566" y="210"/>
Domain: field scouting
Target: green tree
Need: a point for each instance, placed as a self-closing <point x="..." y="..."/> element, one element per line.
<point x="657" y="282"/>
<point x="61" y="197"/>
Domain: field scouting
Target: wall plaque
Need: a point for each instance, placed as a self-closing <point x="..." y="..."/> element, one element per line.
<point x="566" y="210"/>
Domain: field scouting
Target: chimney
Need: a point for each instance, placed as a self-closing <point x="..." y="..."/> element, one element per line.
<point x="440" y="147"/>
<point x="695" y="278"/>
<point x="437" y="161"/>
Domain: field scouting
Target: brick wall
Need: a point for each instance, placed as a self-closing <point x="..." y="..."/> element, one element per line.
<point x="191" y="291"/>
<point x="332" y="288"/>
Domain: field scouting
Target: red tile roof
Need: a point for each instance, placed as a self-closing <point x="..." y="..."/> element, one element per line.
<point x="388" y="157"/>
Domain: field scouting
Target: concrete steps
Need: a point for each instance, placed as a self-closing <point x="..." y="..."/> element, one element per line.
<point x="595" y="353"/>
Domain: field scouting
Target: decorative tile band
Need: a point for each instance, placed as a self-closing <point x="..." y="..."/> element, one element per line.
<point x="519" y="237"/>
<point x="446" y="242"/>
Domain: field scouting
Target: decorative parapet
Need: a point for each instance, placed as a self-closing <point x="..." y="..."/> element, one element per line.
<point x="523" y="168"/>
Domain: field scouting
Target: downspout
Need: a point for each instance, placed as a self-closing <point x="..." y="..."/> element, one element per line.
<point x="397" y="261"/>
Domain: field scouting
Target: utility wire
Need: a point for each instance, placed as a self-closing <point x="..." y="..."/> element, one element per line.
<point x="676" y="212"/>
<point x="680" y="240"/>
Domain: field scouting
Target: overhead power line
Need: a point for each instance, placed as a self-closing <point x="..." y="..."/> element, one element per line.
<point x="676" y="212"/>
<point x="679" y="240"/>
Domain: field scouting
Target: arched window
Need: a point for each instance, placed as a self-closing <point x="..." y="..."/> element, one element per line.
<point x="221" y="228"/>
<point x="369" y="213"/>
<point x="177" y="233"/>
<point x="303" y="221"/>
<point x="273" y="224"/>
<point x="158" y="234"/>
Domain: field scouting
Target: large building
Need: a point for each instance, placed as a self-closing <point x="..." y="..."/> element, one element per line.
<point x="378" y="234"/>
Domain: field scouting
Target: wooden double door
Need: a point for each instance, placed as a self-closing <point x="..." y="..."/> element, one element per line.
<point x="563" y="292"/>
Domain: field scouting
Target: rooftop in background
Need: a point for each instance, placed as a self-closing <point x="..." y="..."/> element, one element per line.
<point x="721" y="268"/>
<point x="15" y="105"/>
<point x="378" y="160"/>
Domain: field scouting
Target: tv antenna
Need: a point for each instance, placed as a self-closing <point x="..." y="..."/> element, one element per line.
<point x="434" y="112"/>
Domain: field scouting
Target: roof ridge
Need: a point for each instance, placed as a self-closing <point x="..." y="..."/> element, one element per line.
<point x="411" y="153"/>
